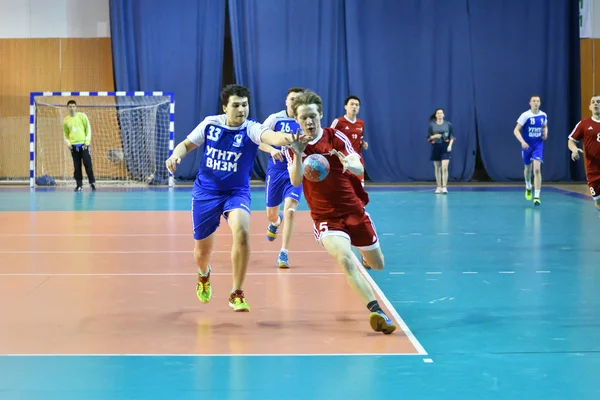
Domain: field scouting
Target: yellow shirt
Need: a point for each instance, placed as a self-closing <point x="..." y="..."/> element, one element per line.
<point x="77" y="129"/>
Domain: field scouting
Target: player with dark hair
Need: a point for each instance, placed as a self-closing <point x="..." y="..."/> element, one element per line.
<point x="229" y="144"/>
<point x="337" y="205"/>
<point x="441" y="136"/>
<point x="353" y="127"/>
<point x="78" y="137"/>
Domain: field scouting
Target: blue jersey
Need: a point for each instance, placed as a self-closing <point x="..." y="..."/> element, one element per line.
<point x="280" y="122"/>
<point x="228" y="153"/>
<point x="533" y="124"/>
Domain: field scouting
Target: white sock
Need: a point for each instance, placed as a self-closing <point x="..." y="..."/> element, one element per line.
<point x="207" y="272"/>
<point x="528" y="185"/>
<point x="536" y="193"/>
<point x="278" y="221"/>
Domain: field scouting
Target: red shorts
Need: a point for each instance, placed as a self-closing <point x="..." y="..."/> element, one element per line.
<point x="594" y="186"/>
<point x="358" y="228"/>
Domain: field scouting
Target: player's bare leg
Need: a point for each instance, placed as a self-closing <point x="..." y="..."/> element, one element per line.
<point x="289" y="210"/>
<point x="437" y="165"/>
<point x="239" y="222"/>
<point x="537" y="181"/>
<point x="527" y="174"/>
<point x="445" y="164"/>
<point x="339" y="248"/>
<point x="372" y="259"/>
<point x="275" y="218"/>
<point x="202" y="251"/>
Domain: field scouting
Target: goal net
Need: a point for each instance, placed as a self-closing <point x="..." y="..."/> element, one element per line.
<point x="132" y="135"/>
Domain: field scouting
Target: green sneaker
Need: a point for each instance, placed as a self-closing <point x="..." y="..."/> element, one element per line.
<point x="203" y="289"/>
<point x="237" y="301"/>
<point x="528" y="195"/>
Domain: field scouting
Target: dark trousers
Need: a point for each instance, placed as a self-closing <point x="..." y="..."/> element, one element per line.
<point x="79" y="154"/>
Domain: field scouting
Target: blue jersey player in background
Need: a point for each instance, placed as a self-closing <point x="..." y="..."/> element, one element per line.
<point x="278" y="187"/>
<point x="531" y="131"/>
<point x="229" y="143"/>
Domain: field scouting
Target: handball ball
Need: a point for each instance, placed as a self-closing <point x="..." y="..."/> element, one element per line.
<point x="315" y="167"/>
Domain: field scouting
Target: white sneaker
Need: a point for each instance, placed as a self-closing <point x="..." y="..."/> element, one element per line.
<point x="438" y="190"/>
<point x="444" y="190"/>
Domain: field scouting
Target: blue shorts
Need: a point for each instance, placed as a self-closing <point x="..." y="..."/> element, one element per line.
<point x="439" y="152"/>
<point x="207" y="208"/>
<point x="278" y="187"/>
<point x="534" y="152"/>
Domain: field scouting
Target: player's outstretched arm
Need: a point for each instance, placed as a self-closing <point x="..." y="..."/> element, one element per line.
<point x="279" y="138"/>
<point x="180" y="151"/>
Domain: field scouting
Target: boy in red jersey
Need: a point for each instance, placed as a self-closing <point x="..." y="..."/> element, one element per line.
<point x="353" y="127"/>
<point x="588" y="130"/>
<point x="337" y="205"/>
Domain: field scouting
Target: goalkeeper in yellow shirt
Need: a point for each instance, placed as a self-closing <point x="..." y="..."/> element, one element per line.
<point x="78" y="136"/>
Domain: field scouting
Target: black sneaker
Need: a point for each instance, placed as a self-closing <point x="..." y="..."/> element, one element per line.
<point x="93" y="187"/>
<point x="78" y="189"/>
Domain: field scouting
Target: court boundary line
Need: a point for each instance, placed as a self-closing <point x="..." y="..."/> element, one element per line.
<point x="211" y="355"/>
<point x="92" y="274"/>
<point x="403" y="325"/>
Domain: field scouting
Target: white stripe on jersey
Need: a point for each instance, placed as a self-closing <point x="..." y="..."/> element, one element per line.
<point x="334" y="123"/>
<point x="573" y="132"/>
<point x="346" y="141"/>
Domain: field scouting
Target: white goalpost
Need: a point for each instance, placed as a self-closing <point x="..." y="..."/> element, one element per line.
<point x="132" y="134"/>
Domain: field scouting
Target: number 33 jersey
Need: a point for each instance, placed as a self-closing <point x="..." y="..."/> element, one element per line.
<point x="228" y="155"/>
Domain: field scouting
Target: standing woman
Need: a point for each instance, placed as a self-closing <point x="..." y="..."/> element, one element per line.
<point x="441" y="137"/>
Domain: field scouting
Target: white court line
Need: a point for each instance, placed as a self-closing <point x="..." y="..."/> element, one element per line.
<point x="506" y="272"/>
<point x="169" y="274"/>
<point x="420" y="349"/>
<point x="542" y="272"/>
<point x="138" y="251"/>
<point x="433" y="273"/>
<point x="469" y="272"/>
<point x="211" y="355"/>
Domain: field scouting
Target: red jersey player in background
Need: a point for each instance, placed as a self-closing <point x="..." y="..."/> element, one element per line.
<point x="337" y="206"/>
<point x="589" y="130"/>
<point x="353" y="128"/>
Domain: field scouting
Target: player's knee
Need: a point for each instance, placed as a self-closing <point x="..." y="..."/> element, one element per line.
<point x="537" y="171"/>
<point x="241" y="235"/>
<point x="289" y="213"/>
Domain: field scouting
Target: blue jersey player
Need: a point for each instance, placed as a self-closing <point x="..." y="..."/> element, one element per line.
<point x="229" y="144"/>
<point x="531" y="131"/>
<point x="278" y="188"/>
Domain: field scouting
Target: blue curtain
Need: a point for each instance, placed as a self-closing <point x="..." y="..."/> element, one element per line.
<point x="281" y="44"/>
<point x="521" y="48"/>
<point x="174" y="46"/>
<point x="405" y="59"/>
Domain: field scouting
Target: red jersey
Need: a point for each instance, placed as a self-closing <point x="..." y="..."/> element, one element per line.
<point x="353" y="130"/>
<point x="589" y="130"/>
<point x="340" y="193"/>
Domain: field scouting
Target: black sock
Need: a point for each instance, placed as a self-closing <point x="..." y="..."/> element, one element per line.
<point x="374" y="306"/>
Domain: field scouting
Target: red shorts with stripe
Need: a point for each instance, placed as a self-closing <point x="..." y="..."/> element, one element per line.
<point x="358" y="228"/>
<point x="594" y="185"/>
